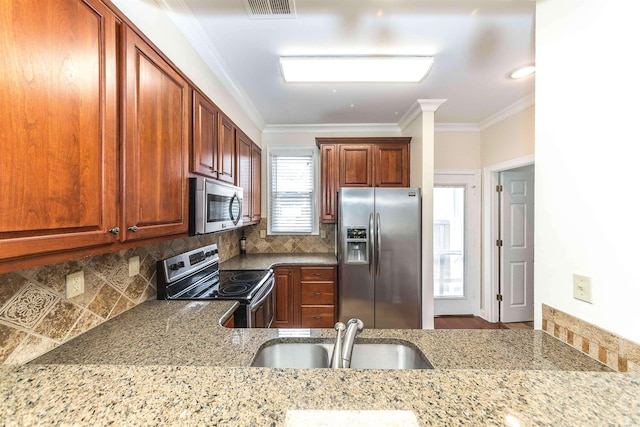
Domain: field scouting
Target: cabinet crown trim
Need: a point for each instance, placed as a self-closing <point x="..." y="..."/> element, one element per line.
<point x="363" y="140"/>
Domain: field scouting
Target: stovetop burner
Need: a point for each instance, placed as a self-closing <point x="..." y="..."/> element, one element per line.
<point x="195" y="275"/>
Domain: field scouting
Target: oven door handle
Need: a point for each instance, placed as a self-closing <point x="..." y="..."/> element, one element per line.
<point x="264" y="296"/>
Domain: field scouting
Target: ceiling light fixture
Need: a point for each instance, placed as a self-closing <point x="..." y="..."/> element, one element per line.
<point x="355" y="69"/>
<point x="523" y="72"/>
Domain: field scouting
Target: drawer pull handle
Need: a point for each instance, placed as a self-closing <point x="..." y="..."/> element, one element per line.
<point x="317" y="294"/>
<point x="316" y="274"/>
<point x="317" y="317"/>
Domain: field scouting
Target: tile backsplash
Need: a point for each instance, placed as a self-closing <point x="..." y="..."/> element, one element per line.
<point x="614" y="351"/>
<point x="35" y="316"/>
<point x="289" y="244"/>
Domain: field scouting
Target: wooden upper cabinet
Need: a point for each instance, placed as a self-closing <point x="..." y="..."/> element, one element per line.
<point x="360" y="162"/>
<point x="156" y="144"/>
<point x="355" y="165"/>
<point x="226" y="149"/>
<point x="249" y="167"/>
<point x="391" y="165"/>
<point x="204" y="160"/>
<point x="244" y="174"/>
<point x="256" y="183"/>
<point x="328" y="182"/>
<point x="58" y="127"/>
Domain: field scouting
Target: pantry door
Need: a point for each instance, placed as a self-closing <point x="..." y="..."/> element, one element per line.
<point x="516" y="251"/>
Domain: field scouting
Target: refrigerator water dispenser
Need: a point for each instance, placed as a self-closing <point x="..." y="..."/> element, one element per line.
<point x="357" y="245"/>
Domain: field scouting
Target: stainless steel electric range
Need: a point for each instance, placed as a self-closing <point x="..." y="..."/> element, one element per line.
<point x="195" y="275"/>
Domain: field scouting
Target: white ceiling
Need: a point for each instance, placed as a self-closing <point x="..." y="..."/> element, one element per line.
<point x="475" y="43"/>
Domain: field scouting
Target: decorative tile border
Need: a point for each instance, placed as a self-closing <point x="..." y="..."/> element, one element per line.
<point x="614" y="351"/>
<point x="35" y="316"/>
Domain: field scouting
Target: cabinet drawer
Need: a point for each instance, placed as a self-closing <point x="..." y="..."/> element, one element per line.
<point x="318" y="316"/>
<point x="317" y="293"/>
<point x="317" y="273"/>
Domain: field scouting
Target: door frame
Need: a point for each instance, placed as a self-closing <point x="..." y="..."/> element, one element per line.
<point x="473" y="231"/>
<point x="490" y="232"/>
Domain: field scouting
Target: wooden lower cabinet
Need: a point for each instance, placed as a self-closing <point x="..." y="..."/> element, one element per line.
<point x="306" y="297"/>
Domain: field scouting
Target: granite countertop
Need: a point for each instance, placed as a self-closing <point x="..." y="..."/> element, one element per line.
<point x="264" y="261"/>
<point x="171" y="363"/>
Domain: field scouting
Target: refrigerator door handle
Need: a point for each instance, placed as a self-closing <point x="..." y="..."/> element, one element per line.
<point x="371" y="243"/>
<point x="378" y="244"/>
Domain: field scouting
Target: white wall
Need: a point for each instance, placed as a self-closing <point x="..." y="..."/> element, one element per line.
<point x="587" y="139"/>
<point x="158" y="28"/>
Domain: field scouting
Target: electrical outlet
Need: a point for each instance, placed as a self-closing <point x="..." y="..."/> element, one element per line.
<point x="323" y="234"/>
<point x="134" y="266"/>
<point x="74" y="284"/>
<point x="263" y="234"/>
<point x="582" y="288"/>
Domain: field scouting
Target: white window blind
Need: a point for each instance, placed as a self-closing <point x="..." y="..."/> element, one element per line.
<point x="292" y="198"/>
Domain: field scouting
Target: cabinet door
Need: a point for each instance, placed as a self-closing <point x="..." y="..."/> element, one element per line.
<point x="328" y="182"/>
<point x="155" y="144"/>
<point x="244" y="175"/>
<point x="355" y="165"/>
<point x="256" y="183"/>
<point x="226" y="149"/>
<point x="391" y="165"/>
<point x="205" y="136"/>
<point x="283" y="293"/>
<point x="58" y="126"/>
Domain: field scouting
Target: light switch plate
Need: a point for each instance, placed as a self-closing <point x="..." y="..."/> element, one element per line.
<point x="582" y="288"/>
<point x="74" y="284"/>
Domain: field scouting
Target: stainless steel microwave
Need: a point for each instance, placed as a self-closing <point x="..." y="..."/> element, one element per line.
<point x="213" y="206"/>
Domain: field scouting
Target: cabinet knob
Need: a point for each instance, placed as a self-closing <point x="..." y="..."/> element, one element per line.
<point x="114" y="230"/>
<point x="133" y="229"/>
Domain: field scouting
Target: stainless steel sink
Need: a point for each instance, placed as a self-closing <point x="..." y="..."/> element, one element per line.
<point x="365" y="356"/>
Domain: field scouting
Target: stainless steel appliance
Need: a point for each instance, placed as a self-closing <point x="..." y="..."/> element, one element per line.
<point x="379" y="255"/>
<point x="195" y="275"/>
<point x="213" y="206"/>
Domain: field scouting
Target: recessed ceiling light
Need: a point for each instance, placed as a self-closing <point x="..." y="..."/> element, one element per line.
<point x="359" y="69"/>
<point x="523" y="72"/>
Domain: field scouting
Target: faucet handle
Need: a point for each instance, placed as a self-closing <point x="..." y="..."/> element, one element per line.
<point x="339" y="326"/>
<point x="358" y="322"/>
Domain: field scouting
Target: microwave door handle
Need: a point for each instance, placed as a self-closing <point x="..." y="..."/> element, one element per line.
<point x="370" y="244"/>
<point x="235" y="220"/>
<point x="378" y="244"/>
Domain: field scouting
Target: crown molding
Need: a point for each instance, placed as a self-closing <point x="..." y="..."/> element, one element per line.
<point x="457" y="127"/>
<point x="342" y="128"/>
<point x="505" y="113"/>
<point x="419" y="107"/>
<point x="183" y="18"/>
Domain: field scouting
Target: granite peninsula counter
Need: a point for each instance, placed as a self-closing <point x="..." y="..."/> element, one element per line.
<point x="171" y="363"/>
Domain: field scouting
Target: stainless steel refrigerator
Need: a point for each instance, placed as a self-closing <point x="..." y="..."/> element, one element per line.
<point x="379" y="254"/>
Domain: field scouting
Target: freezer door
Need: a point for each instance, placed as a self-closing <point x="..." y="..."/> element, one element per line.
<point x="356" y="285"/>
<point x="398" y="272"/>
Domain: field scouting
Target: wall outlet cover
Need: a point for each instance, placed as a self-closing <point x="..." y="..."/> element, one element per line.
<point x="74" y="284"/>
<point x="263" y="234"/>
<point x="134" y="266"/>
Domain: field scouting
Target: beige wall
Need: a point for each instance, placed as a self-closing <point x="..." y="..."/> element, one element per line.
<point x="509" y="139"/>
<point x="457" y="150"/>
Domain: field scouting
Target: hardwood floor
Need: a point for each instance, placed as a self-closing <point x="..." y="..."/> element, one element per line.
<point x="474" y="322"/>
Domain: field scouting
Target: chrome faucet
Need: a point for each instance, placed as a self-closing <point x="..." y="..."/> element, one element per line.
<point x="342" y="350"/>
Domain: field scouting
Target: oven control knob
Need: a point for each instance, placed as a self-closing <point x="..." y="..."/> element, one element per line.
<point x="177" y="265"/>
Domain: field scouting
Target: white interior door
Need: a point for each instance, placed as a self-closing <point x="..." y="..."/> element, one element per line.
<point x="516" y="253"/>
<point x="456" y="240"/>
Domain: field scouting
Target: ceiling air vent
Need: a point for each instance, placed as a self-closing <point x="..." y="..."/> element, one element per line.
<point x="270" y="9"/>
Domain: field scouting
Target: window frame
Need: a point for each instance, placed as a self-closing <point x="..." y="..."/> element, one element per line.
<point x="280" y="150"/>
